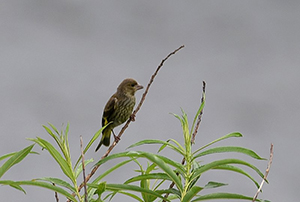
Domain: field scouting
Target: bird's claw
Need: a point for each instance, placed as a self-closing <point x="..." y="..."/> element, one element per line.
<point x="117" y="139"/>
<point x="132" y="117"/>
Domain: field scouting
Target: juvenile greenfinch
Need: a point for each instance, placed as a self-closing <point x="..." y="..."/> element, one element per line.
<point x="118" y="109"/>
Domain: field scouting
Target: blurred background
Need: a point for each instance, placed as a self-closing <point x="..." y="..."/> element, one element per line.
<point x="61" y="60"/>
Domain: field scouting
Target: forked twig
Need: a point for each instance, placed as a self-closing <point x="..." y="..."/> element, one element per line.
<point x="130" y="120"/>
<point x="266" y="174"/>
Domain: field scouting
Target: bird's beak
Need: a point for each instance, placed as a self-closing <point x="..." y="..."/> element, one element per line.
<point x="138" y="87"/>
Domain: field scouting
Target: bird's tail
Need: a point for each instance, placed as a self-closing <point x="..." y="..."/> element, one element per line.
<point x="105" y="140"/>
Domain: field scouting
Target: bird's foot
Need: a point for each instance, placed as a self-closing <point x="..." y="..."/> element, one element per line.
<point x="132" y="117"/>
<point x="117" y="139"/>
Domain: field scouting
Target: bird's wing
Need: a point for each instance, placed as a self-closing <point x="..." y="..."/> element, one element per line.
<point x="109" y="109"/>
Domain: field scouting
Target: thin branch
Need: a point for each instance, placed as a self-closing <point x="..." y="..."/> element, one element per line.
<point x="133" y="115"/>
<point x="200" y="114"/>
<point x="266" y="174"/>
<point x="83" y="170"/>
<point x="56" y="195"/>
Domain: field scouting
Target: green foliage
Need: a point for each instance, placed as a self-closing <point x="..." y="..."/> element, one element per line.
<point x="61" y="155"/>
<point x="162" y="170"/>
<point x="151" y="181"/>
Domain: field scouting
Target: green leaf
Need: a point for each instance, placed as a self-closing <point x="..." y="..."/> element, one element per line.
<point x="230" y="149"/>
<point x="48" y="186"/>
<point x="66" y="168"/>
<point x="12" y="184"/>
<point x="14" y="159"/>
<point x="178" y="149"/>
<point x="67" y="129"/>
<point x="127" y="194"/>
<point x="57" y="140"/>
<point x="237" y="170"/>
<point x="178" y="117"/>
<point x="37" y="142"/>
<point x="222" y="196"/>
<point x="215" y="164"/>
<point x="101" y="188"/>
<point x="135" y="154"/>
<point x="160" y="163"/>
<point x="151" y="176"/>
<point x="54" y="128"/>
<point x="191" y="193"/>
<point x="235" y="134"/>
<point x="59" y="182"/>
<point x="7" y="155"/>
<point x="195" y="166"/>
<point x="211" y="184"/>
<point x="121" y="187"/>
<point x="180" y="168"/>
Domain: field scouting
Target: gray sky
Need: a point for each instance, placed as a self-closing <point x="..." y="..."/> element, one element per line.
<point x="61" y="60"/>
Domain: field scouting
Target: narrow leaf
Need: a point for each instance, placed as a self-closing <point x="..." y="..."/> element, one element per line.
<point x="54" y="128"/>
<point x="121" y="187"/>
<point x="230" y="149"/>
<point x="160" y="163"/>
<point x="127" y="194"/>
<point x="237" y="170"/>
<point x="191" y="193"/>
<point x="151" y="176"/>
<point x="235" y="134"/>
<point x="211" y="184"/>
<point x="12" y="184"/>
<point x="14" y="159"/>
<point x="49" y="131"/>
<point x="59" y="159"/>
<point x="222" y="196"/>
<point x="59" y="182"/>
<point x="164" y="143"/>
<point x="48" y="186"/>
<point x="215" y="164"/>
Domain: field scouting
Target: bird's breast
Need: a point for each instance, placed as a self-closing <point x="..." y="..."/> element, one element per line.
<point x="123" y="111"/>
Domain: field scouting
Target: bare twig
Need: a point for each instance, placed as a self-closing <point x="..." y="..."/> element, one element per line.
<point x="83" y="170"/>
<point x="266" y="174"/>
<point x="200" y="114"/>
<point x="133" y="115"/>
<point x="56" y="195"/>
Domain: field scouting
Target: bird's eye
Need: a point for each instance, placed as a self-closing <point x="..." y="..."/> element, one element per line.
<point x="132" y="85"/>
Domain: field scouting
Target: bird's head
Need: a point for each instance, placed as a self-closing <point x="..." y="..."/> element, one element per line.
<point x="129" y="87"/>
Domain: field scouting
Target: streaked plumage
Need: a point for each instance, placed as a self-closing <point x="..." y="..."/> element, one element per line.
<point x="118" y="108"/>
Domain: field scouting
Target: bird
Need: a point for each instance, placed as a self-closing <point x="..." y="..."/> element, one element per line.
<point x="118" y="109"/>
